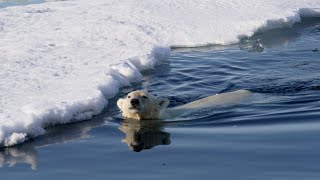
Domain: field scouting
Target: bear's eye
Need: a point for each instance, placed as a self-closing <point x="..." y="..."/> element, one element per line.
<point x="145" y="97"/>
<point x="128" y="97"/>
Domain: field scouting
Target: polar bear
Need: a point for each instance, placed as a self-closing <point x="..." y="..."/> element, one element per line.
<point x="142" y="105"/>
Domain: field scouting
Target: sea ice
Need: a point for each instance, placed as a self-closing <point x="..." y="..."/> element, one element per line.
<point x="61" y="61"/>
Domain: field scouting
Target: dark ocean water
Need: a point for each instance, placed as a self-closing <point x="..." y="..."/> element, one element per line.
<point x="273" y="135"/>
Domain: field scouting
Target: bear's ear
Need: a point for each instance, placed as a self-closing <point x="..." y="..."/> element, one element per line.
<point x="163" y="103"/>
<point x="120" y="103"/>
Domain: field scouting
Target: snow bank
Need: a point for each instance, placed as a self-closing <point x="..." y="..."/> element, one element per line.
<point x="61" y="61"/>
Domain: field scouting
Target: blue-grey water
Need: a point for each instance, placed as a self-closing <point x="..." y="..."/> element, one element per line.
<point x="7" y="3"/>
<point x="273" y="135"/>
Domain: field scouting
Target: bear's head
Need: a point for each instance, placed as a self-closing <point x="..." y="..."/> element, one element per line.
<point x="141" y="105"/>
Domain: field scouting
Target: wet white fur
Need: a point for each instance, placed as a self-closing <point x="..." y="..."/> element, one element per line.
<point x="152" y="108"/>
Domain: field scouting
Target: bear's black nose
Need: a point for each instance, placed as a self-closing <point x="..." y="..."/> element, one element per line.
<point x="134" y="102"/>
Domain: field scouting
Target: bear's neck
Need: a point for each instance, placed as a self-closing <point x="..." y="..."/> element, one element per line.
<point x="143" y="116"/>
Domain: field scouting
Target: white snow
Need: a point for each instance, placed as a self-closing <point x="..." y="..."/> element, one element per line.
<point x="61" y="61"/>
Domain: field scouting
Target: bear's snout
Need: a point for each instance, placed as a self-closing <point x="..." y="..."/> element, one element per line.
<point x="134" y="102"/>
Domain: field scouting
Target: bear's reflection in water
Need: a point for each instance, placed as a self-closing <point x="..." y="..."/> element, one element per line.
<point x="141" y="135"/>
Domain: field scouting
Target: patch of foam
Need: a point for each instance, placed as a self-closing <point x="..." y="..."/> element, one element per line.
<point x="61" y="61"/>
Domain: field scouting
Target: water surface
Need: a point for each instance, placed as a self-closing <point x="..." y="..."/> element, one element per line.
<point x="7" y="3"/>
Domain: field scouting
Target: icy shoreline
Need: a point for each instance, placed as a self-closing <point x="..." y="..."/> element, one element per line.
<point x="62" y="61"/>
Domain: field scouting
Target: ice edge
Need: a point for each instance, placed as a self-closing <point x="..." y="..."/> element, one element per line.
<point x="118" y="75"/>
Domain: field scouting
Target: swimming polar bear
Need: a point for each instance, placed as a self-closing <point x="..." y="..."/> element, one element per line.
<point x="142" y="105"/>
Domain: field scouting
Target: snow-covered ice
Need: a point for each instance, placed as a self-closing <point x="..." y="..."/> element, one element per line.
<point x="61" y="61"/>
